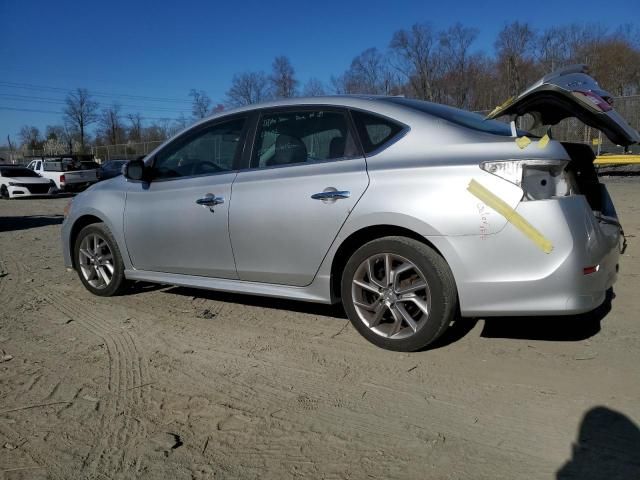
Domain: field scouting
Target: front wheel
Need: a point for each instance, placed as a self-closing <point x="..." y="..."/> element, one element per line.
<point x="4" y="192"/>
<point x="399" y="293"/>
<point x="98" y="261"/>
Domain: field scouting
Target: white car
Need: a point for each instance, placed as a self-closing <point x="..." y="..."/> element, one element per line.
<point x="17" y="181"/>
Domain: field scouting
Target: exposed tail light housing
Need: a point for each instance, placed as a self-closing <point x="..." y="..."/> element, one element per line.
<point x="539" y="179"/>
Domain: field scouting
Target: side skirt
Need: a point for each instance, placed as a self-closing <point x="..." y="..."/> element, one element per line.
<point x="317" y="291"/>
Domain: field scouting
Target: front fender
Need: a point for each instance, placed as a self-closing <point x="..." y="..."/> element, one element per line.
<point x="105" y="204"/>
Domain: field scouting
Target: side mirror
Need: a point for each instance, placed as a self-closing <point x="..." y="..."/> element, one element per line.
<point x="134" y="170"/>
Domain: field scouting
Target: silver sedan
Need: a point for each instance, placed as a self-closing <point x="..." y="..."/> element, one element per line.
<point x="408" y="212"/>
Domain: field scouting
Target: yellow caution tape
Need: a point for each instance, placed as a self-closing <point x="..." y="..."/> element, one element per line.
<point x="618" y="159"/>
<point x="543" y="142"/>
<point x="517" y="220"/>
<point x="522" y="142"/>
<point x="501" y="106"/>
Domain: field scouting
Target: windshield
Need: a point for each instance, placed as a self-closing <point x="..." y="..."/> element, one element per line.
<point x="455" y="115"/>
<point x="17" y="172"/>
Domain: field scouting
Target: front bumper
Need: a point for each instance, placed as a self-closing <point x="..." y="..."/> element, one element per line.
<point x="25" y="191"/>
<point x="506" y="274"/>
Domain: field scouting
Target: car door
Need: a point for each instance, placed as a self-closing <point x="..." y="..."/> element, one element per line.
<point x="178" y="221"/>
<point x="306" y="174"/>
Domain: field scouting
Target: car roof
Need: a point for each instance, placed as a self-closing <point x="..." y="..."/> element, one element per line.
<point x="357" y="101"/>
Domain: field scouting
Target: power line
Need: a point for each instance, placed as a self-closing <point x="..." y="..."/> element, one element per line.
<point x="32" y="110"/>
<point x="58" y="101"/>
<point x="30" y="86"/>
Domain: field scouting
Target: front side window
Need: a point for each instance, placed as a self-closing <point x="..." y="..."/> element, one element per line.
<point x="210" y="150"/>
<point x="303" y="136"/>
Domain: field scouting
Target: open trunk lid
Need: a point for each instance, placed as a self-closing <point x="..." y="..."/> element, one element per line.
<point x="570" y="92"/>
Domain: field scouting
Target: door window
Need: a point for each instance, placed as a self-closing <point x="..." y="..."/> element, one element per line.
<point x="294" y="137"/>
<point x="209" y="150"/>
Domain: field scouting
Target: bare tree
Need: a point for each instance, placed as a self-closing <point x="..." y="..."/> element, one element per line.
<point x="416" y="59"/>
<point x="369" y="73"/>
<point x="282" y="78"/>
<point x="457" y="63"/>
<point x="110" y="121"/>
<point x="135" y="126"/>
<point x="30" y="137"/>
<point x="313" y="88"/>
<point x="515" y="47"/>
<point x="61" y="134"/>
<point x="80" y="112"/>
<point x="247" y="88"/>
<point x="201" y="103"/>
<point x="153" y="133"/>
<point x="181" y="122"/>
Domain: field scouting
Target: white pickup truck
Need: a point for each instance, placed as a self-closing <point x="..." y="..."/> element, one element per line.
<point x="68" y="174"/>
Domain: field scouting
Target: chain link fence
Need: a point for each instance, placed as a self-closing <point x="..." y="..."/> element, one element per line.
<point x="124" y="151"/>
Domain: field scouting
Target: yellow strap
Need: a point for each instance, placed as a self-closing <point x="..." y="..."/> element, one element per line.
<point x="510" y="214"/>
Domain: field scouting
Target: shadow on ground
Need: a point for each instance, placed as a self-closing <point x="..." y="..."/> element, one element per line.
<point x="8" y="224"/>
<point x="335" y="311"/>
<point x="559" y="328"/>
<point x="567" y="328"/>
<point x="608" y="447"/>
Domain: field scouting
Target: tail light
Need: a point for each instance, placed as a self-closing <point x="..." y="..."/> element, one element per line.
<point x="539" y="179"/>
<point x="62" y="179"/>
<point x="602" y="103"/>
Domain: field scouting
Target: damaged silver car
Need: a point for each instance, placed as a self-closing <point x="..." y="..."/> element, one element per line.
<point x="406" y="211"/>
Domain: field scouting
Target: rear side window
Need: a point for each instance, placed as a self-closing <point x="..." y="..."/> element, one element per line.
<point x="294" y="137"/>
<point x="375" y="132"/>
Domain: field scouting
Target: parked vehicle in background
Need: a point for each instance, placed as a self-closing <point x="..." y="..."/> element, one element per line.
<point x="110" y="169"/>
<point x="17" y="181"/>
<point x="406" y="210"/>
<point x="67" y="173"/>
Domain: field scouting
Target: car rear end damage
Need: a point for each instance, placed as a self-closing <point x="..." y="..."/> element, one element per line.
<point x="510" y="274"/>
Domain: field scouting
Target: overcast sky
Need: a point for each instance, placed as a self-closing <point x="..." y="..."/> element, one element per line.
<point x="126" y="50"/>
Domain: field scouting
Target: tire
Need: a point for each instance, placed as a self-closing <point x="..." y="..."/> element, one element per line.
<point x="407" y="309"/>
<point x="97" y="264"/>
<point x="4" y="192"/>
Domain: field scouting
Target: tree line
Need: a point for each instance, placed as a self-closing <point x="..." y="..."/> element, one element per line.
<point x="439" y="65"/>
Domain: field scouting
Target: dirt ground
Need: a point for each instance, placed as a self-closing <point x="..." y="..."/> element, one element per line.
<point x="177" y="383"/>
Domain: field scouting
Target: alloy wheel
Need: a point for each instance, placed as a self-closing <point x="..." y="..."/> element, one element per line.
<point x="391" y="296"/>
<point x="96" y="261"/>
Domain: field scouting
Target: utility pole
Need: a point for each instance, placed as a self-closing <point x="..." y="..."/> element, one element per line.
<point x="10" y="148"/>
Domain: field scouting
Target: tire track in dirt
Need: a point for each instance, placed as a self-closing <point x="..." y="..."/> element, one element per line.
<point x="127" y="396"/>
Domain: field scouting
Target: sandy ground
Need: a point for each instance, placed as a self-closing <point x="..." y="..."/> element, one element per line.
<point x="176" y="383"/>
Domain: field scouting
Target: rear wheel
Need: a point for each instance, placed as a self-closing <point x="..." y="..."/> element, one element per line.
<point x="398" y="293"/>
<point x="98" y="261"/>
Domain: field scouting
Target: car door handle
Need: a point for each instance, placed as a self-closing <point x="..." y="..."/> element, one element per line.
<point x="331" y="195"/>
<point x="210" y="200"/>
